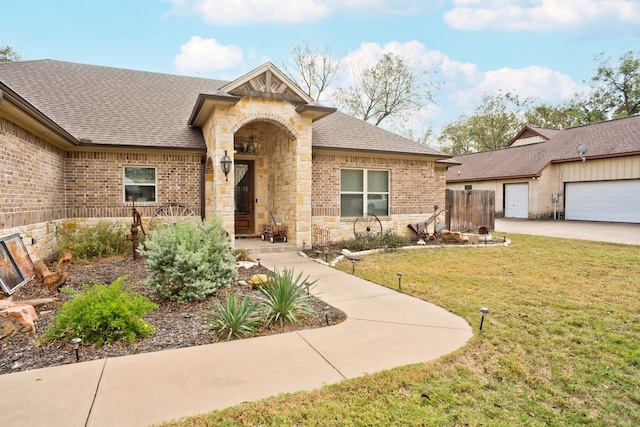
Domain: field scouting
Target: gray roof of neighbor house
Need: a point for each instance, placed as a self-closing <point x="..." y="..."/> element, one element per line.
<point x="113" y="106"/>
<point x="613" y="138"/>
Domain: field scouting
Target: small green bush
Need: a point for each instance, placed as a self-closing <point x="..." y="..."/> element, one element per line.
<point x="189" y="261"/>
<point x="102" y="314"/>
<point x="242" y="254"/>
<point x="388" y="239"/>
<point x="101" y="240"/>
<point x="239" y="320"/>
<point x="286" y="297"/>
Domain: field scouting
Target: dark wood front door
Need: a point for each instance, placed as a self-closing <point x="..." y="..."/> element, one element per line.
<point x="244" y="197"/>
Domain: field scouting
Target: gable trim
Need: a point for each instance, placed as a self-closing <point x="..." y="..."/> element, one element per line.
<point x="269" y="70"/>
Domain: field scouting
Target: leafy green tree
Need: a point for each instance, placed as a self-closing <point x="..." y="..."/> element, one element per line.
<point x="492" y="125"/>
<point x="389" y="88"/>
<point x="616" y="88"/>
<point x="7" y="54"/>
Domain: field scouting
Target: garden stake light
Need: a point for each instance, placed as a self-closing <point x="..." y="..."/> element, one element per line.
<point x="325" y="310"/>
<point x="326" y="254"/>
<point x="307" y="285"/>
<point x="484" y="312"/>
<point x="258" y="259"/>
<point x="400" y="281"/>
<point x="353" y="266"/>
<point x="75" y="342"/>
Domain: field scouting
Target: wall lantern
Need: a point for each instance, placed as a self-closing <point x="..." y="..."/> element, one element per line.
<point x="225" y="164"/>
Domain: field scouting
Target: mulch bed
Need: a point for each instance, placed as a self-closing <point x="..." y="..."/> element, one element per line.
<point x="177" y="325"/>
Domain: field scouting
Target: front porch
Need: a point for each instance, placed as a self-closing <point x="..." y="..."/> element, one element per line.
<point x="259" y="246"/>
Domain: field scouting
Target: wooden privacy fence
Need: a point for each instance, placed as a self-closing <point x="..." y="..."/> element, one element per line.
<point x="470" y="209"/>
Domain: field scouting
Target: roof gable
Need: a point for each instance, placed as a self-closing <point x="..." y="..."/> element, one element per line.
<point x="267" y="81"/>
<point x="532" y="135"/>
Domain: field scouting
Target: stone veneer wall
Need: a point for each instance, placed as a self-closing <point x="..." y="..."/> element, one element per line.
<point x="283" y="160"/>
<point x="416" y="186"/>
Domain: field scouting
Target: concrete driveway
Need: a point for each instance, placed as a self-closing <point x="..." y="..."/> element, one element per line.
<point x="613" y="232"/>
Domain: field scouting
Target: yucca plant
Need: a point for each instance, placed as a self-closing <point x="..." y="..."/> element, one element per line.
<point x="239" y="319"/>
<point x="286" y="297"/>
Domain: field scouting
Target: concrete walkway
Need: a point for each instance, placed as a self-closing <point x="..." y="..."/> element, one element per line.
<point x="384" y="329"/>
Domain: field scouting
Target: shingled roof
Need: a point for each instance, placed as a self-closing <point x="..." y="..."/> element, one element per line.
<point x="110" y="105"/>
<point x="119" y="107"/>
<point x="341" y="131"/>
<point x="615" y="138"/>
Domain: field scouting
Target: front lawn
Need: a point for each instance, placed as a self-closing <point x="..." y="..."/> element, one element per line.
<point x="560" y="345"/>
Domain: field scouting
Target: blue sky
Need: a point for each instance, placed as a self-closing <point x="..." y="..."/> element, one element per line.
<point x="539" y="48"/>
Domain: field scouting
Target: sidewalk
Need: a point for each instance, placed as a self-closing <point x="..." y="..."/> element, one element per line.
<point x="384" y="329"/>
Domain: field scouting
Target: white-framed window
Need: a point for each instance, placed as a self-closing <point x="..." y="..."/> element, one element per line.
<point x="364" y="191"/>
<point x="140" y="184"/>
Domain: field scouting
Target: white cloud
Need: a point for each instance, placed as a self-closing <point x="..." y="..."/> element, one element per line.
<point x="542" y="15"/>
<point x="447" y="70"/>
<point x="201" y="56"/>
<point x="241" y="12"/>
<point x="534" y="81"/>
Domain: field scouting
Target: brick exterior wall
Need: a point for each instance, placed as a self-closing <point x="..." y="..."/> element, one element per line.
<point x="94" y="182"/>
<point x="42" y="186"/>
<point x="416" y="186"/>
<point x="32" y="178"/>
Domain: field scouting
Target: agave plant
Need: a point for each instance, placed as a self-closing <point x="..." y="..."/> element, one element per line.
<point x="239" y="319"/>
<point x="286" y="297"/>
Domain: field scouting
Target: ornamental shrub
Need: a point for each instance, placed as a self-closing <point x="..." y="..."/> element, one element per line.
<point x="189" y="261"/>
<point x="102" y="314"/>
<point x="97" y="241"/>
<point x="236" y="319"/>
<point x="286" y="297"/>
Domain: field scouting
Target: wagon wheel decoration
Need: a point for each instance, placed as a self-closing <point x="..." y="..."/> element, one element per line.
<point x="170" y="213"/>
<point x="366" y="225"/>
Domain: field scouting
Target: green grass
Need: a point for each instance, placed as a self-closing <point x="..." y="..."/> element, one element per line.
<point x="560" y="345"/>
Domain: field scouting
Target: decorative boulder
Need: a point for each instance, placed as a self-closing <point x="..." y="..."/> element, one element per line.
<point x="16" y="320"/>
<point x="258" y="280"/>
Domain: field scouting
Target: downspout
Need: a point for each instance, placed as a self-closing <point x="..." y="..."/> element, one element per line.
<point x="203" y="163"/>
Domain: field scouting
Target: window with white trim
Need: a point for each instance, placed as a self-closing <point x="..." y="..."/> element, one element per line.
<point x="364" y="191"/>
<point x="140" y="184"/>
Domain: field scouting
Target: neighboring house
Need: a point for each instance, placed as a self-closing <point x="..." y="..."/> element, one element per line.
<point x="541" y="175"/>
<point x="78" y="141"/>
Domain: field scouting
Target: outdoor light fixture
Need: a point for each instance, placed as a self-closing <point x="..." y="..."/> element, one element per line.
<point x="326" y="254"/>
<point x="484" y="312"/>
<point x="75" y="342"/>
<point x="258" y="259"/>
<point x="353" y="266"/>
<point x="303" y="246"/>
<point x="307" y="285"/>
<point x="504" y="236"/>
<point x="325" y="310"/>
<point x="399" y="280"/>
<point x="225" y="164"/>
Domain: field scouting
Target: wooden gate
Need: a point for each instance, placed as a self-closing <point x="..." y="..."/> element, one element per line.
<point x="468" y="210"/>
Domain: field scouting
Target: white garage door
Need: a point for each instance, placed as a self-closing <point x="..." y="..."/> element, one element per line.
<point x="610" y="201"/>
<point x="516" y="200"/>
